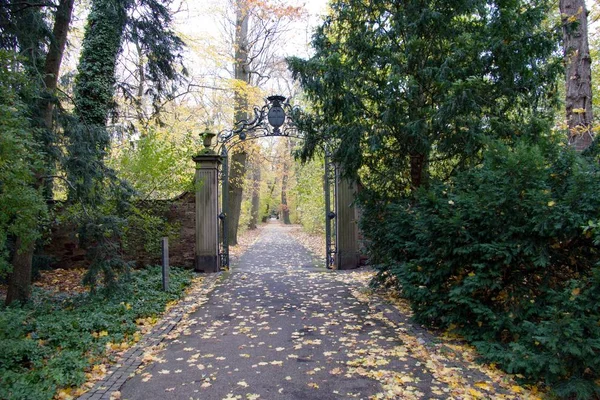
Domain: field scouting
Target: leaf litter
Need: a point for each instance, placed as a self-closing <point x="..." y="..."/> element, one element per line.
<point x="330" y="328"/>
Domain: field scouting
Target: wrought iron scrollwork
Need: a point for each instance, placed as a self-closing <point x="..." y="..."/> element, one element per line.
<point x="275" y="118"/>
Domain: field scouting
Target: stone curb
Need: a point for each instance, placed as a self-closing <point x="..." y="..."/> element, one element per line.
<point x="129" y="362"/>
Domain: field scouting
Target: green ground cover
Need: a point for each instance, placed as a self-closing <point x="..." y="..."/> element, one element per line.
<point x="53" y="341"/>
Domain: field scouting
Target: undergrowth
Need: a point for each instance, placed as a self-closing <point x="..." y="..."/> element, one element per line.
<point x="507" y="255"/>
<point x="51" y="343"/>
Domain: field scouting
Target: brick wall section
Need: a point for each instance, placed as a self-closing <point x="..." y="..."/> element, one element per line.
<point x="183" y="212"/>
<point x="65" y="252"/>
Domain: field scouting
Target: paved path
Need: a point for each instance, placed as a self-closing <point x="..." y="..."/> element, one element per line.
<point x="279" y="327"/>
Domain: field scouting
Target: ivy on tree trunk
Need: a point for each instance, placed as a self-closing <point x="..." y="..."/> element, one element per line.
<point x="93" y="96"/>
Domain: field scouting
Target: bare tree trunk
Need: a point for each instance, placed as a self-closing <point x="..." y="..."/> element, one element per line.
<point x="236" y="188"/>
<point x="19" y="281"/>
<point x="239" y="156"/>
<point x="578" y="73"/>
<point x="56" y="50"/>
<point x="417" y="164"/>
<point x="255" y="196"/>
<point x="271" y="190"/>
<point x="55" y="54"/>
<point x="285" y="210"/>
<point x="139" y="100"/>
<point x="19" y="286"/>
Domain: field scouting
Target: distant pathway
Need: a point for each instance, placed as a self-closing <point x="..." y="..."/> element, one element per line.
<point x="279" y="327"/>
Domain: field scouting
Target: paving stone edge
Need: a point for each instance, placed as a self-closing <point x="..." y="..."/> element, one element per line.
<point x="128" y="363"/>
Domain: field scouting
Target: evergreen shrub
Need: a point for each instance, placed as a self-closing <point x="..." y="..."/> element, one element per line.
<point x="505" y="254"/>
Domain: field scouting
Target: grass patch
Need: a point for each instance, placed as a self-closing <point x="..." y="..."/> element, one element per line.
<point x="52" y="343"/>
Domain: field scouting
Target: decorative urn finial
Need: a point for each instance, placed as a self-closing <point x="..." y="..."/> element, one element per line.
<point x="207" y="137"/>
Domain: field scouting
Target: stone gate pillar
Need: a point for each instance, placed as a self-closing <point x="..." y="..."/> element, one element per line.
<point x="207" y="210"/>
<point x="347" y="228"/>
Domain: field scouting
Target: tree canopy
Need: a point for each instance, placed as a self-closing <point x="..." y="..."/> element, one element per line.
<point x="414" y="89"/>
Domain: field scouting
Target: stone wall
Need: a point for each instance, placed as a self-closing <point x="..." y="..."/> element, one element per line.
<point x="64" y="250"/>
<point x="183" y="212"/>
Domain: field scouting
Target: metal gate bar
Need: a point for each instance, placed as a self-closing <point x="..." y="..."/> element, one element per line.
<point x="224" y="242"/>
<point x="273" y="120"/>
<point x="329" y="181"/>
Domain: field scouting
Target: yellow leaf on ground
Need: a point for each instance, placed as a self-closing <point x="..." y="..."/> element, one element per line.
<point x="64" y="394"/>
<point x="516" y="389"/>
<point x="483" y="385"/>
<point x="476" y="393"/>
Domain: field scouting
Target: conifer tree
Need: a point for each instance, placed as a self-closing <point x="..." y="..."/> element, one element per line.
<point x="410" y="90"/>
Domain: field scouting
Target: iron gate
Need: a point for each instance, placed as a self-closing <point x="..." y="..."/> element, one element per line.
<point x="274" y="118"/>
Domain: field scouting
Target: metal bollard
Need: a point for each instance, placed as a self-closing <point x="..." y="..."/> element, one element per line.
<point x="165" y="263"/>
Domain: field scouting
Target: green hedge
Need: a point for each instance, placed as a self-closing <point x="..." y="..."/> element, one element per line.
<point x="505" y="254"/>
<point x="50" y="343"/>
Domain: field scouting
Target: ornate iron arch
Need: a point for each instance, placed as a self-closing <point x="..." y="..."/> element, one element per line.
<point x="276" y="118"/>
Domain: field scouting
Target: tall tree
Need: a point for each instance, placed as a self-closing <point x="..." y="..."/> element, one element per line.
<point x="240" y="113"/>
<point x="412" y="89"/>
<point x="21" y="201"/>
<point x="255" y="202"/>
<point x="26" y="29"/>
<point x="578" y="73"/>
<point x="110" y="24"/>
<point x="93" y="97"/>
<point x="285" y="176"/>
<point x="58" y="42"/>
<point x="258" y="29"/>
<point x="92" y="183"/>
